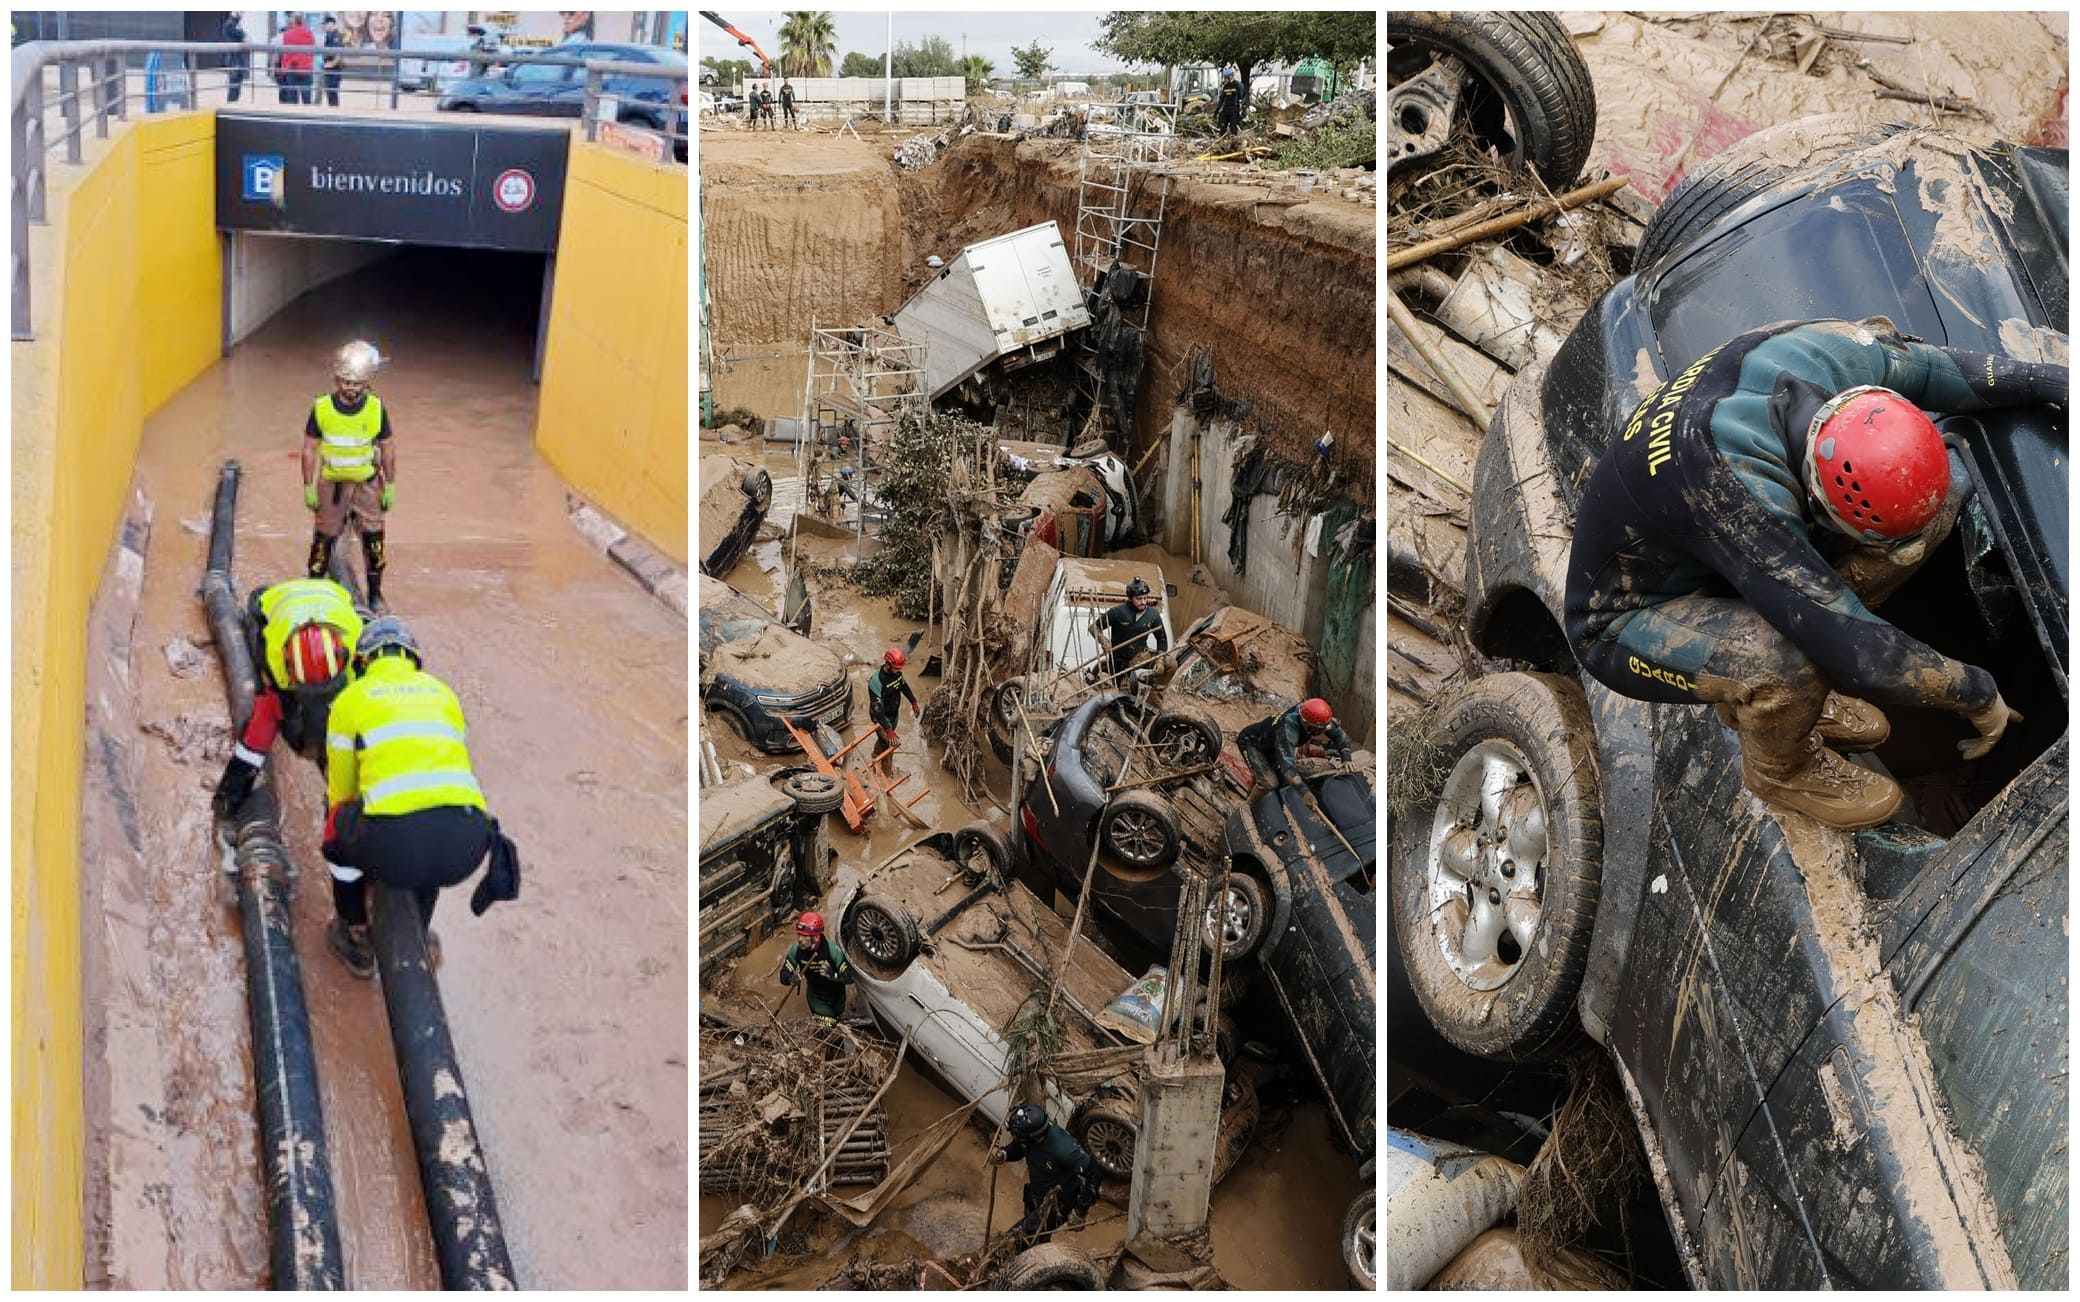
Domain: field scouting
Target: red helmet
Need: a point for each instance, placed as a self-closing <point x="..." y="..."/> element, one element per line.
<point x="895" y="658"/>
<point x="1315" y="712"/>
<point x="1876" y="463"/>
<point x="809" y="924"/>
<point x="316" y="654"/>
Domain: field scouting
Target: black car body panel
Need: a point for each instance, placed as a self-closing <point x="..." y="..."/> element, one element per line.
<point x="540" y="89"/>
<point x="1752" y="975"/>
<point x="1322" y="963"/>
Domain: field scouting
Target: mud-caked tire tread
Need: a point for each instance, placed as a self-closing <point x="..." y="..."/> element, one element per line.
<point x="1531" y="63"/>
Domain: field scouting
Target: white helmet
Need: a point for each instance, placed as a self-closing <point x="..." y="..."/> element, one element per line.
<point x="357" y="362"/>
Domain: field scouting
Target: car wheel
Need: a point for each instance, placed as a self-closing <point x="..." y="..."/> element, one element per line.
<point x="1360" y="1240"/>
<point x="1108" y="1128"/>
<point x="1746" y="168"/>
<point x="1240" y="1111"/>
<point x="1054" y="1267"/>
<point x="983" y="852"/>
<point x="1140" y="829"/>
<point x="1493" y="893"/>
<point x="1185" y="737"/>
<point x="1005" y="728"/>
<point x="1238" y="924"/>
<point x="880" y="937"/>
<point x="814" y="793"/>
<point x="759" y="488"/>
<point x="1524" y="89"/>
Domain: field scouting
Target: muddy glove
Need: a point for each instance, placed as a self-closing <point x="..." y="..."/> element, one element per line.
<point x="997" y="1157"/>
<point x="916" y="710"/>
<point x="234" y="787"/>
<point x="387" y="497"/>
<point x="1087" y="1197"/>
<point x="787" y="976"/>
<point x="1991" y="723"/>
<point x="310" y="497"/>
<point x="502" y="878"/>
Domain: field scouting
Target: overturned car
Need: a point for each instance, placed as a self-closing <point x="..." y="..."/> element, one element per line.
<point x="1845" y="1052"/>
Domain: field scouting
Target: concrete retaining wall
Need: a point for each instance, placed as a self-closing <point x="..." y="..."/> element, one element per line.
<point x="269" y="272"/>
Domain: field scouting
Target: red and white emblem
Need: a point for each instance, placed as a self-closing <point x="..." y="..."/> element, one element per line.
<point x="513" y="191"/>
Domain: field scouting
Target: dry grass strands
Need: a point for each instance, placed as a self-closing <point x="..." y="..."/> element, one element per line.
<point x="1586" y="1168"/>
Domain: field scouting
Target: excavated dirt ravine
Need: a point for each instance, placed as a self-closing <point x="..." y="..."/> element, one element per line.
<point x="1279" y="285"/>
<point x="568" y="1007"/>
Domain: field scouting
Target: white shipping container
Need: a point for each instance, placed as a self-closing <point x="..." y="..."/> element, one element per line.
<point x="995" y="298"/>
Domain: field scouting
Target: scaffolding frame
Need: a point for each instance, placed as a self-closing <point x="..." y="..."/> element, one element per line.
<point x="1122" y="191"/>
<point x="862" y="381"/>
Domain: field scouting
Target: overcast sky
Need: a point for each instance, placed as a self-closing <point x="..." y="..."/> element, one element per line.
<point x="990" y="35"/>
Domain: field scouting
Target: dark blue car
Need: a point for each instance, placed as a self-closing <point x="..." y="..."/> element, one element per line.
<point x="544" y="89"/>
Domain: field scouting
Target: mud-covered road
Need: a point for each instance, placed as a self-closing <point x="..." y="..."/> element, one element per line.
<point x="568" y="1008"/>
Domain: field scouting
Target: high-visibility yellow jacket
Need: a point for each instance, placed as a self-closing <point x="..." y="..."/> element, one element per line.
<point x="396" y="740"/>
<point x="289" y="606"/>
<point x="347" y="444"/>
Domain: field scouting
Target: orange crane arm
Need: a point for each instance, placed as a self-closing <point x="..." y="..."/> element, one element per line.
<point x="765" y="64"/>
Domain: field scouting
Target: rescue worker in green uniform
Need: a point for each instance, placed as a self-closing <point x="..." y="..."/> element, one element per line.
<point x="1274" y="746"/>
<point x="300" y="634"/>
<point x="406" y="808"/>
<point x="886" y="689"/>
<point x="350" y="465"/>
<point x="820" y="968"/>
<point x="1132" y="629"/>
<point x="1061" y="1180"/>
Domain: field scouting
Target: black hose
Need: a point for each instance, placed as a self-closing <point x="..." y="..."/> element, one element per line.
<point x="303" y="1226"/>
<point x="468" y="1239"/>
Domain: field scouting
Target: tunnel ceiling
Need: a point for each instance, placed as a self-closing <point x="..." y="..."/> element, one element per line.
<point x="467" y="185"/>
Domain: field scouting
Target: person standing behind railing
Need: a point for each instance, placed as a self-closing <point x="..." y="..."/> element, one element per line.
<point x="235" y="80"/>
<point x="295" y="77"/>
<point x="333" y="62"/>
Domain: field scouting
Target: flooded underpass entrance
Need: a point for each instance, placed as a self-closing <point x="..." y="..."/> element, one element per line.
<point x="567" y="1007"/>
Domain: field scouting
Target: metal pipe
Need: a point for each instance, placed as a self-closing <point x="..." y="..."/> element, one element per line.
<point x="468" y="1239"/>
<point x="303" y="1229"/>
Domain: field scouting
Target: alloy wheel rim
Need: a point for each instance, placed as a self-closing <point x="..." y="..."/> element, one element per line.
<point x="1486" y="865"/>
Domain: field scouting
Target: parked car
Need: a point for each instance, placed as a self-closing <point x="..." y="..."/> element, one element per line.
<point x="537" y="88"/>
<point x="1845" y="1051"/>
<point x="734" y="498"/>
<point x="436" y="74"/>
<point x="955" y="971"/>
<point x="755" y="671"/>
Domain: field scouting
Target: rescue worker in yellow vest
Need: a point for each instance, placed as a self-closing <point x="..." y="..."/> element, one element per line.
<point x="350" y="464"/>
<point x="301" y="635"/>
<point x="406" y="810"/>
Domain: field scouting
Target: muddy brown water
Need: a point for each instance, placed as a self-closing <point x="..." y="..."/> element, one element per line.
<point x="1276" y="1219"/>
<point x="568" y="1007"/>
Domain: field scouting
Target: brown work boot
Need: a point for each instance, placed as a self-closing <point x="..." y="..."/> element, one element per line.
<point x="1821" y="785"/>
<point x="1849" y="724"/>
<point x="352" y="947"/>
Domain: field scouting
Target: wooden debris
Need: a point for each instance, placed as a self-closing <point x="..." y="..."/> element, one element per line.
<point x="1463" y="396"/>
<point x="1410" y="256"/>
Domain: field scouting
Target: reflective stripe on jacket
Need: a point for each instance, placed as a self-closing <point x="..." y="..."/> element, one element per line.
<point x="347" y="443"/>
<point x="396" y="740"/>
<point x="289" y="606"/>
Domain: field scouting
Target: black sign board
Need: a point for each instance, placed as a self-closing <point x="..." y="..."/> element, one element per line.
<point x="453" y="183"/>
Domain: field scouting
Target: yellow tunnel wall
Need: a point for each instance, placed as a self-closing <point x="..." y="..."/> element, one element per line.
<point x="127" y="297"/>
<point x="613" y="414"/>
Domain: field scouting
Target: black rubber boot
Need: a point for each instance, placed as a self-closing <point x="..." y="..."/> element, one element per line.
<point x="352" y="946"/>
<point x="372" y="552"/>
<point x="321" y="556"/>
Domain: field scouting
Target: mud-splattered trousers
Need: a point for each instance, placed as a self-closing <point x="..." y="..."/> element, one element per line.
<point x="1059" y="1180"/>
<point x="1695" y="575"/>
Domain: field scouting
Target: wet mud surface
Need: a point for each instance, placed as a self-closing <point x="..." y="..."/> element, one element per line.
<point x="567" y="1008"/>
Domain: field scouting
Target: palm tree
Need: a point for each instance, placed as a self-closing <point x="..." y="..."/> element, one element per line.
<point x="977" y="70"/>
<point x="808" y="42"/>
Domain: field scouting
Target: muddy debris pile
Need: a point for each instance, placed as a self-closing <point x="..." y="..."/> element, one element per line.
<point x="775" y="1100"/>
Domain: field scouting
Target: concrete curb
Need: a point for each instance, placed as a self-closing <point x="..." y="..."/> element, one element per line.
<point x="648" y="566"/>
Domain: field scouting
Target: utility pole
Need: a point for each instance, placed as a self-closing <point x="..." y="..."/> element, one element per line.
<point x="888" y="63"/>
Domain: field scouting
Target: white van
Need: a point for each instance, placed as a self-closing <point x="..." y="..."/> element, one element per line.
<point x="1082" y="590"/>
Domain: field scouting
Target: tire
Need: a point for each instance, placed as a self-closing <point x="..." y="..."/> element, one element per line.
<point x="1140" y="829"/>
<point x="1240" y="1112"/>
<point x="983" y="838"/>
<point x="1523" y="64"/>
<point x="1494" y="952"/>
<point x="759" y="488"/>
<point x="1239" y="927"/>
<point x="1747" y="168"/>
<point x="880" y="937"/>
<point x="1108" y="1128"/>
<point x="1052" y="1266"/>
<point x="1361" y="1240"/>
<point x="814" y="793"/>
<point x="1003" y="726"/>
<point x="1186" y="737"/>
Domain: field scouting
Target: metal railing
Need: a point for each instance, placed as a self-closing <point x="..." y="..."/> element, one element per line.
<point x="104" y="94"/>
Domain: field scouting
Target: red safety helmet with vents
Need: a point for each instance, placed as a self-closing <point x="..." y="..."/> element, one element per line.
<point x="809" y="924"/>
<point x="1876" y="463"/>
<point x="1315" y="712"/>
<point x="316" y="654"/>
<point x="895" y="659"/>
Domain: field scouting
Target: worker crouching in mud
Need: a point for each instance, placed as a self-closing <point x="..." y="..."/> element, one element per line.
<point x="300" y="635"/>
<point x="1061" y="1180"/>
<point x="1731" y="542"/>
<point x="1275" y="746"/>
